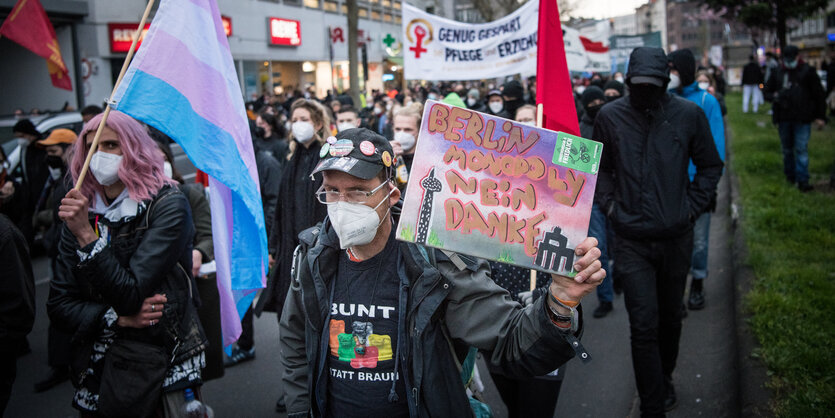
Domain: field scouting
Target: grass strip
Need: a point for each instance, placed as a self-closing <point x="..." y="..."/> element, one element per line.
<point x="791" y="246"/>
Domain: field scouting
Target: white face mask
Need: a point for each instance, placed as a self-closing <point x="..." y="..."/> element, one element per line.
<point x="496" y="107"/>
<point x="675" y="81"/>
<point x="355" y="223"/>
<point x="344" y="126"/>
<point x="619" y="79"/>
<point x="704" y="85"/>
<point x="55" y="173"/>
<point x="105" y="167"/>
<point x="303" y="131"/>
<point x="406" y="140"/>
<point x="378" y="110"/>
<point x="166" y="168"/>
<point x="471" y="102"/>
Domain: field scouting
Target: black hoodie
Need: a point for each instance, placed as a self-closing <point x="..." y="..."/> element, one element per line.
<point x="643" y="184"/>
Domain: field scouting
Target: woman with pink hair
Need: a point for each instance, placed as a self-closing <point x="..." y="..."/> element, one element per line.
<point x="123" y="286"/>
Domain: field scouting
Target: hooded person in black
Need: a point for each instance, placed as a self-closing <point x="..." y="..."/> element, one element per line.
<point x="514" y="96"/>
<point x="592" y="100"/>
<point x="613" y="90"/>
<point x="646" y="193"/>
<point x="31" y="175"/>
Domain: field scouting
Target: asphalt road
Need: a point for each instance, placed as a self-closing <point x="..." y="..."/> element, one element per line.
<point x="705" y="378"/>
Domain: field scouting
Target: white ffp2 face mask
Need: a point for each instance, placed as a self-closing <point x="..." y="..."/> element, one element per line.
<point x="105" y="167"/>
<point x="704" y="85"/>
<point x="166" y="168"/>
<point x="406" y="140"/>
<point x="675" y="81"/>
<point x="495" y="107"/>
<point x="345" y="126"/>
<point x="303" y="131"/>
<point x="355" y="223"/>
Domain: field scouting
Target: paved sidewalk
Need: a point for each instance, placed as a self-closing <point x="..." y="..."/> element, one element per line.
<point x="705" y="377"/>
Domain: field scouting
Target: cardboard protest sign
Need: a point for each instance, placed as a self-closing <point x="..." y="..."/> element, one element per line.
<point x="497" y="189"/>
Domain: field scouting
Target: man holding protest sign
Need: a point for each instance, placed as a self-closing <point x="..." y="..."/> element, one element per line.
<point x="647" y="195"/>
<point x="413" y="312"/>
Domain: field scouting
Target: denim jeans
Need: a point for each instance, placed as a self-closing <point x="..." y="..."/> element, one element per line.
<point x="701" y="240"/>
<point x="654" y="273"/>
<point x="598" y="224"/>
<point x="794" y="137"/>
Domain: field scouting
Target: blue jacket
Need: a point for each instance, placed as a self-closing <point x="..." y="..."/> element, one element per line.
<point x="710" y="106"/>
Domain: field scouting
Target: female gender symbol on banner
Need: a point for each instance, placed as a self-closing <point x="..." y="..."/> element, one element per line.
<point x="420" y="33"/>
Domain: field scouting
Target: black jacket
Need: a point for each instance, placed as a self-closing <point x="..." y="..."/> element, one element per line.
<point x="148" y="254"/>
<point x="586" y="126"/>
<point x="17" y="287"/>
<point x="275" y="146"/>
<point x="269" y="178"/>
<point x="643" y="185"/>
<point x="797" y="94"/>
<point x="442" y="300"/>
<point x="752" y="74"/>
<point x="296" y="210"/>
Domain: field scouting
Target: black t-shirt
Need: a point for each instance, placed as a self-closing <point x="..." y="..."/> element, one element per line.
<point x="363" y="338"/>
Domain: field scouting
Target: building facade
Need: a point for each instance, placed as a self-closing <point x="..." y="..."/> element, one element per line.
<point x="277" y="45"/>
<point x="815" y="36"/>
<point x="652" y="17"/>
<point x="624" y="25"/>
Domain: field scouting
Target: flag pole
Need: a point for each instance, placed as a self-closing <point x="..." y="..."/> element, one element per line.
<point x="125" y="65"/>
<point x="539" y="117"/>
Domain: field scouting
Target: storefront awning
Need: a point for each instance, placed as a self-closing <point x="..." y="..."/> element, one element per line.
<point x="395" y="60"/>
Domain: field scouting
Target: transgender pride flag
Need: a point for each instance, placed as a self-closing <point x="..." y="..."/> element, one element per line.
<point x="183" y="82"/>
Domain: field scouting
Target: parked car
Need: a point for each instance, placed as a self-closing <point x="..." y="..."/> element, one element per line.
<point x="43" y="123"/>
<point x="72" y="120"/>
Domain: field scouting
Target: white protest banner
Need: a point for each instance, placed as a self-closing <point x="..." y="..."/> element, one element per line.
<point x="443" y="49"/>
<point x="584" y="55"/>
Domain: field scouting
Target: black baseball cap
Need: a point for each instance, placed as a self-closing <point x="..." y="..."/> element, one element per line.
<point x="359" y="152"/>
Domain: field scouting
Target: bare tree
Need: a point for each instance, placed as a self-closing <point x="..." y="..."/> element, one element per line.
<point x="353" y="60"/>
<point x="491" y="10"/>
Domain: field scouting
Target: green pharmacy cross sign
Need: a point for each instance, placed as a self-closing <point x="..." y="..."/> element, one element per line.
<point x="389" y="40"/>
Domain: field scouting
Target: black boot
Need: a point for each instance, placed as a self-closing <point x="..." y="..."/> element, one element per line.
<point x="280" y="406"/>
<point x="697" y="295"/>
<point x="603" y="309"/>
<point x="670" y="401"/>
<point x="57" y="375"/>
<point x="805" y="186"/>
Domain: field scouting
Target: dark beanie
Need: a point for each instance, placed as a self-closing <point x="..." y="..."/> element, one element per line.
<point x="613" y="84"/>
<point x="685" y="63"/>
<point x="25" y="126"/>
<point x="790" y="52"/>
<point x="590" y="94"/>
<point x="513" y="88"/>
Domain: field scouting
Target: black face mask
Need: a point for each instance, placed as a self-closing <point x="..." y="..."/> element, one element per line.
<point x="512" y="105"/>
<point x="260" y="132"/>
<point x="54" y="161"/>
<point x="611" y="98"/>
<point x="646" y="96"/>
<point x="592" y="111"/>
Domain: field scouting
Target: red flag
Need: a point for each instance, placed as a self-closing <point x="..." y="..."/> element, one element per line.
<point x="553" y="82"/>
<point x="29" y="26"/>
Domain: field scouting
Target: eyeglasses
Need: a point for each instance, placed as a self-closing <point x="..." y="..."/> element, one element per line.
<point x="353" y="196"/>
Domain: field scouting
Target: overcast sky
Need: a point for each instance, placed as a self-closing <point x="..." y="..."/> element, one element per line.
<point x="605" y="8"/>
